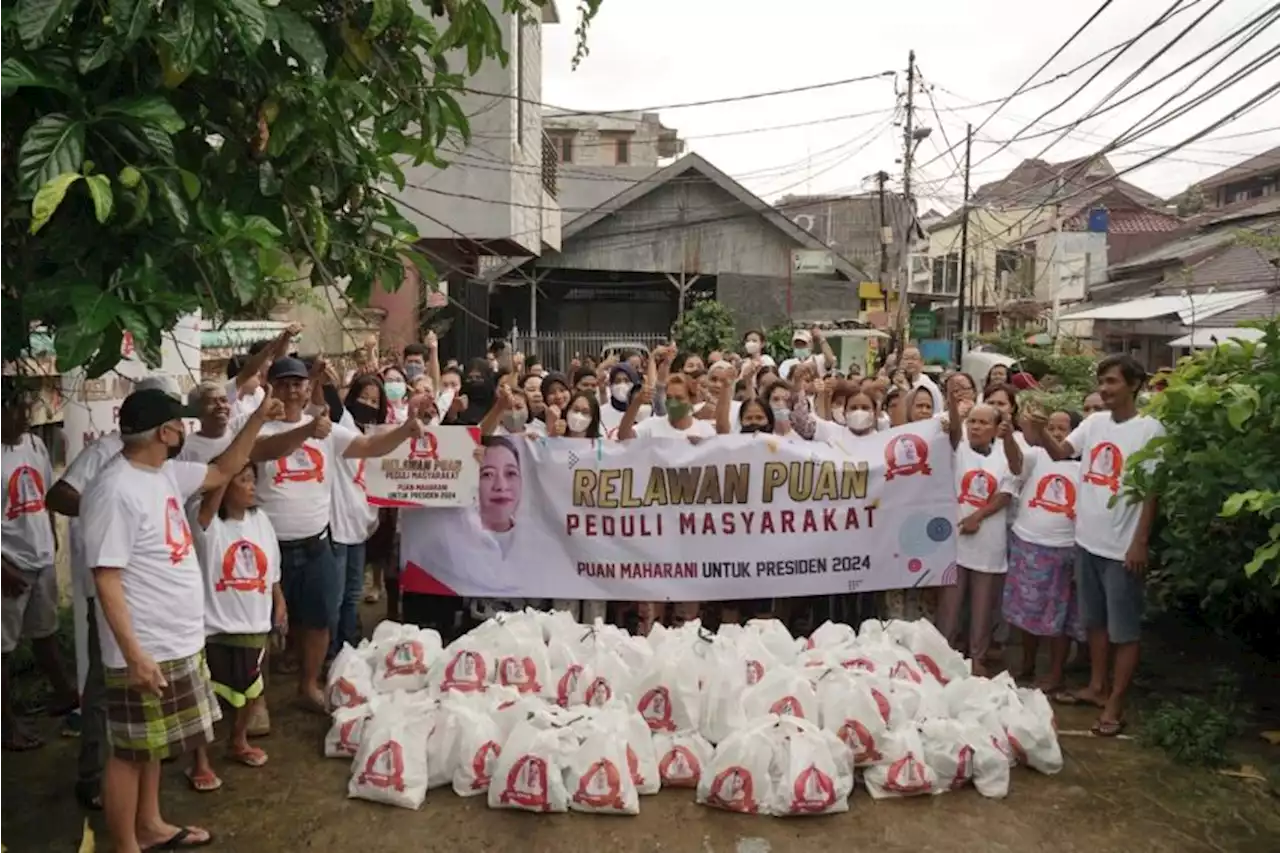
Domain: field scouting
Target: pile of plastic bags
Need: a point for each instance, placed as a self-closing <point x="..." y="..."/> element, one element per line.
<point x="537" y="712"/>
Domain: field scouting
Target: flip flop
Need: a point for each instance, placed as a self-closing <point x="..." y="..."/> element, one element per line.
<point x="201" y="783"/>
<point x="1070" y="698"/>
<point x="249" y="757"/>
<point x="181" y="840"/>
<point x="1108" y="728"/>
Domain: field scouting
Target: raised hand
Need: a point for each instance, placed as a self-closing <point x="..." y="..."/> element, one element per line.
<point x="504" y="397"/>
<point x="272" y="409"/>
<point x="321" y="426"/>
<point x="1005" y="429"/>
<point x="431" y="341"/>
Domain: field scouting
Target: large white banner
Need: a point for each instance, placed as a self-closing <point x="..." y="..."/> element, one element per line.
<point x="734" y="517"/>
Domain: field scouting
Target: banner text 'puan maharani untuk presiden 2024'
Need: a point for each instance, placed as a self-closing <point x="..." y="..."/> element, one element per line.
<point x="735" y="517"/>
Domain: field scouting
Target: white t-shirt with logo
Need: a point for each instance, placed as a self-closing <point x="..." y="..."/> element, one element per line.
<point x="134" y="522"/>
<point x="1104" y="446"/>
<point x="610" y="420"/>
<point x="79" y="475"/>
<point x="1047" y="503"/>
<point x="297" y="491"/>
<point x="979" y="479"/>
<point x="351" y="517"/>
<point x="201" y="448"/>
<point x="243" y="405"/>
<point x="27" y="533"/>
<point x="660" y="427"/>
<point x="241" y="561"/>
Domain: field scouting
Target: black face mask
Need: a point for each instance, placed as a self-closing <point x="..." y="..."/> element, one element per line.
<point x="477" y="390"/>
<point x="363" y="414"/>
<point x="174" y="449"/>
<point x="750" y="428"/>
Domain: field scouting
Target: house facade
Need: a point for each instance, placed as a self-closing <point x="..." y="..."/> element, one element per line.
<point x="1255" y="178"/>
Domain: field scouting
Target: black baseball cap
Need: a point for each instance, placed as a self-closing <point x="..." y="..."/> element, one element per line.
<point x="287" y="368"/>
<point x="148" y="409"/>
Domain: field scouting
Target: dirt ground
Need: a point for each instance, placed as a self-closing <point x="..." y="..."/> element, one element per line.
<point x="1112" y="796"/>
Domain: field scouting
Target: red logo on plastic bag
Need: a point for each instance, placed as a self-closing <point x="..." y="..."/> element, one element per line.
<point x="599" y="692"/>
<point x="349" y="734"/>
<point x="633" y="765"/>
<point x="787" y="706"/>
<point x="1002" y="747"/>
<point x="857" y="737"/>
<point x="882" y="704"/>
<point x="907" y="776"/>
<point x="755" y="671"/>
<point x="906" y="455"/>
<point x="466" y="673"/>
<point x="903" y="671"/>
<point x="343" y="694"/>
<point x="568" y="684"/>
<point x="527" y="784"/>
<point x="813" y="793"/>
<point x="385" y="767"/>
<point x="520" y="673"/>
<point x="600" y="787"/>
<point x="1019" y="754"/>
<point x="655" y="707"/>
<point x="482" y="764"/>
<point x="859" y="665"/>
<point x="679" y="768"/>
<point x="928" y="665"/>
<point x="734" y="790"/>
<point x="964" y="767"/>
<point x="406" y="658"/>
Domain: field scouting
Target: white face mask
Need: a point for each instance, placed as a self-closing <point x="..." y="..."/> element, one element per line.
<point x="645" y="411"/>
<point x="578" y="422"/>
<point x="752" y="347"/>
<point x="860" y="420"/>
<point x="621" y="391"/>
<point x="837" y="415"/>
<point x="515" y="420"/>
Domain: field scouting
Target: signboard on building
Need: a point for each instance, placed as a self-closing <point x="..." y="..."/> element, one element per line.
<point x="923" y="323"/>
<point x="812" y="262"/>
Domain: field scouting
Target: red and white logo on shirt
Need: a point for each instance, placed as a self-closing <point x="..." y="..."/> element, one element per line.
<point x="244" y="568"/>
<point x="977" y="488"/>
<point x="177" y="534"/>
<point x="1055" y="493"/>
<point x="304" y="465"/>
<point x="24" y="493"/>
<point x="1106" y="463"/>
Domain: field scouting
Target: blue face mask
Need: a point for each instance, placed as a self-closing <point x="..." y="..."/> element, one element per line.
<point x="801" y="353"/>
<point x="413" y="370"/>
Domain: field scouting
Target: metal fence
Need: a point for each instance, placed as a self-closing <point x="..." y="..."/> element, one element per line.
<point x="556" y="349"/>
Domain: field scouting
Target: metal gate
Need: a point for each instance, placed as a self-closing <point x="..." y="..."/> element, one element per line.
<point x="556" y="349"/>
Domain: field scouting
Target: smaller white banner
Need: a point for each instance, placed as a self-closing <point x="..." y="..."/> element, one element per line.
<point x="439" y="469"/>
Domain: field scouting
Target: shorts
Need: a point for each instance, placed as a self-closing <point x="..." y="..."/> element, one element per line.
<point x="235" y="666"/>
<point x="146" y="727"/>
<point x="1110" y="596"/>
<point x="34" y="614"/>
<point x="312" y="582"/>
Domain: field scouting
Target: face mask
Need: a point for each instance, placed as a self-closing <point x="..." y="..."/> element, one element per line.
<point x="515" y="420"/>
<point x="477" y="391"/>
<point x="837" y="415"/>
<point x="621" y="391"/>
<point x="413" y="370"/>
<point x="578" y="422"/>
<point x="174" y="450"/>
<point x="678" y="409"/>
<point x="753" y="428"/>
<point x="395" y="389"/>
<point x="861" y="420"/>
<point x="752" y="347"/>
<point x="644" y="412"/>
<point x="801" y="353"/>
<point x="781" y="414"/>
<point x="363" y="414"/>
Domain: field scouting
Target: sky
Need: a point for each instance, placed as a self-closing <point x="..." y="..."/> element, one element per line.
<point x="648" y="53"/>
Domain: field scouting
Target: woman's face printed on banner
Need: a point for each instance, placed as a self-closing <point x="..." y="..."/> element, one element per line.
<point x="500" y="487"/>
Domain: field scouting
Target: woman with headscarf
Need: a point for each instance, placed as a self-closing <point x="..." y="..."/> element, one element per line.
<point x="622" y="380"/>
<point x="556" y="392"/>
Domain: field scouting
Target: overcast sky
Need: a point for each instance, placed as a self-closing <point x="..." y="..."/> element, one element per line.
<point x="655" y="52"/>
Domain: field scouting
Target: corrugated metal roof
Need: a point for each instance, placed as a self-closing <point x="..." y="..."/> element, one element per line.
<point x="1199" y="306"/>
<point x="1203" y="338"/>
<point x="1267" y="161"/>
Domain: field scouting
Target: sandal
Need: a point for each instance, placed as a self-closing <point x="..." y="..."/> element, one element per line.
<point x="1107" y="728"/>
<point x="1073" y="698"/>
<point x="250" y="756"/>
<point x="201" y="783"/>
<point x="372" y="597"/>
<point x="182" y="840"/>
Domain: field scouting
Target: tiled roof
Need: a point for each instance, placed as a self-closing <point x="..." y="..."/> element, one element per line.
<point x="1139" y="221"/>
<point x="1264" y="163"/>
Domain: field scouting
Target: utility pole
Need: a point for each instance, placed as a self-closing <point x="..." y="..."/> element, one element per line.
<point x="908" y="150"/>
<point x="881" y="179"/>
<point x="964" y="247"/>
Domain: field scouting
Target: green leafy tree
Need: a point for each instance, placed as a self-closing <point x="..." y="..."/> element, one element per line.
<point x="1217" y="481"/>
<point x="705" y="326"/>
<point x="1066" y="373"/>
<point x="209" y="154"/>
<point x="777" y="343"/>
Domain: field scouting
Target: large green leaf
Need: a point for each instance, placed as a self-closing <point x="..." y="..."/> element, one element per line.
<point x="174" y="203"/>
<point x="103" y="198"/>
<point x="130" y="18"/>
<point x="52" y="146"/>
<point x="242" y="268"/>
<point x="380" y="18"/>
<point x="158" y="140"/>
<point x="247" y="19"/>
<point x="16" y="74"/>
<point x="153" y="109"/>
<point x="300" y="37"/>
<point x="49" y="197"/>
<point x="95" y="52"/>
<point x="37" y="19"/>
<point x="190" y="35"/>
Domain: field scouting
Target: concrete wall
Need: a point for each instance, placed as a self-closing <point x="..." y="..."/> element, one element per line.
<point x="759" y="301"/>
<point x="594" y="138"/>
<point x="1067" y="263"/>
<point x="989" y="231"/>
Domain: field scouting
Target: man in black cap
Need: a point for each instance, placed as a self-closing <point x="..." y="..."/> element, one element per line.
<point x="296" y="493"/>
<point x="150" y="598"/>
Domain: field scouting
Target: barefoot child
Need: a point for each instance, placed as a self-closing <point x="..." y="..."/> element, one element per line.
<point x="240" y="558"/>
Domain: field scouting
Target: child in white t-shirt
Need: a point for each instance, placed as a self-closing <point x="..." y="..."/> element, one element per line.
<point x="243" y="605"/>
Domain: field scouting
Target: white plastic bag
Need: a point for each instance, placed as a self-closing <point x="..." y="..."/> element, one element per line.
<point x="856" y="709"/>
<point x="642" y="760"/>
<point x="479" y="747"/>
<point x="815" y="770"/>
<point x="667" y="694"/>
<point x="597" y="777"/>
<point x="831" y="635"/>
<point x="469" y="666"/>
<point x="402" y="659"/>
<point x="990" y="765"/>
<point x="610" y="679"/>
<point x="346" y="729"/>
<point x="350" y="680"/>
<point x="682" y="758"/>
<point x="901" y="771"/>
<point x="391" y="764"/>
<point x="933" y="654"/>
<point x="1033" y="734"/>
<point x="783" y="691"/>
<point x="722" y="711"/>
<point x="776" y="638"/>
<point x="529" y="773"/>
<point x="738" y="779"/>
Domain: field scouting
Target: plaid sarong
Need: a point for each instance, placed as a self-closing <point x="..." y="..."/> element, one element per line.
<point x="145" y="727"/>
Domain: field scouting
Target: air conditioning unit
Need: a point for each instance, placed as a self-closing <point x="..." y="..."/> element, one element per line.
<point x="805" y="221"/>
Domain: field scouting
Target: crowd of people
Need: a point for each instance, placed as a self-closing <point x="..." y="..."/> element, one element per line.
<point x="199" y="553"/>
